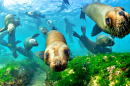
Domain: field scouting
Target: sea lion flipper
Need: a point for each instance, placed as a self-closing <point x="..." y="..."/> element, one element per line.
<point x="76" y="34"/>
<point x="53" y="28"/>
<point x="82" y="15"/>
<point x="40" y="55"/>
<point x="96" y="30"/>
<point x="18" y="41"/>
<point x="83" y="29"/>
<point x="4" y="43"/>
<point x="2" y="29"/>
<point x="18" y="22"/>
<point x="35" y="35"/>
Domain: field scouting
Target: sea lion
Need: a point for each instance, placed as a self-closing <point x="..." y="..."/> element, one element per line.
<point x="35" y="14"/>
<point x="89" y="44"/>
<point x="30" y="42"/>
<point x="62" y="7"/>
<point x="23" y="51"/>
<point x="69" y="28"/>
<point x="11" y="44"/>
<point x="10" y="24"/>
<point x="56" y="54"/>
<point x="112" y="20"/>
<point x="104" y="40"/>
<point x="43" y="31"/>
<point x="2" y="35"/>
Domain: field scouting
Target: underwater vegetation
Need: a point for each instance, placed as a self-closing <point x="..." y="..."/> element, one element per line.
<point x="20" y="73"/>
<point x="93" y="70"/>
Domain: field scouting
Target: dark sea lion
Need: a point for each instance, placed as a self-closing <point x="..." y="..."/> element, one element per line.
<point x="112" y="20"/>
<point x="69" y="28"/>
<point x="66" y="2"/>
<point x="30" y="42"/>
<point x="89" y="44"/>
<point x="10" y="24"/>
<point x="62" y="7"/>
<point x="35" y="14"/>
<point x="23" y="51"/>
<point x="11" y="44"/>
<point x="56" y="54"/>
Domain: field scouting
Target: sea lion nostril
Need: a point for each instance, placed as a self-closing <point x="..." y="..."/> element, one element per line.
<point x="57" y="62"/>
<point x="122" y="13"/>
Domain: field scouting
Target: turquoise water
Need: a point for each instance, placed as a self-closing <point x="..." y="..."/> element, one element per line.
<point x="49" y="8"/>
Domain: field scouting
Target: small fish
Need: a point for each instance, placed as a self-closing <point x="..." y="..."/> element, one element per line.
<point x="9" y="45"/>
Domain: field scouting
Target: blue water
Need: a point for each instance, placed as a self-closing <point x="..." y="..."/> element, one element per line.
<point x="49" y="8"/>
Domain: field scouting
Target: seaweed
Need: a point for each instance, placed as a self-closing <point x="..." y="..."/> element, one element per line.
<point x="104" y="69"/>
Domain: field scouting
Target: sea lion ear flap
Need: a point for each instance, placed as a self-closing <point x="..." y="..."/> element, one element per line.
<point x="35" y="35"/>
<point x="96" y="30"/>
<point x="40" y="55"/>
<point x="121" y="8"/>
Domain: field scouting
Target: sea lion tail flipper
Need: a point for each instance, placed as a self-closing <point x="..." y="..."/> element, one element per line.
<point x="82" y="15"/>
<point x="53" y="28"/>
<point x="18" y="41"/>
<point x="76" y="34"/>
<point x="83" y="29"/>
<point x="35" y="35"/>
<point x="40" y="55"/>
<point x="96" y="30"/>
<point x="2" y="29"/>
<point x="4" y="43"/>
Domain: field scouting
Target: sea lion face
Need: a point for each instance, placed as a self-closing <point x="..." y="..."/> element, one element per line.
<point x="11" y="29"/>
<point x="109" y="42"/>
<point x="57" y="56"/>
<point x="33" y="42"/>
<point x="117" y="21"/>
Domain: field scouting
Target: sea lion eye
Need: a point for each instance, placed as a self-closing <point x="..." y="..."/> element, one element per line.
<point x="67" y="52"/>
<point x="46" y="55"/>
<point x="108" y="21"/>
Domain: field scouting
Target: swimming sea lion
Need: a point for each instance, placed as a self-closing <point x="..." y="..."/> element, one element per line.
<point x="35" y="14"/>
<point x="10" y="24"/>
<point x="23" y="51"/>
<point x="11" y="44"/>
<point x="56" y="54"/>
<point x="2" y="35"/>
<point x="104" y="40"/>
<point x="69" y="28"/>
<point x="112" y="20"/>
<point x="30" y="42"/>
<point x="62" y="7"/>
<point x="89" y="44"/>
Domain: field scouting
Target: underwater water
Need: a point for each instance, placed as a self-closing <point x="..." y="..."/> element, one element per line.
<point x="25" y="71"/>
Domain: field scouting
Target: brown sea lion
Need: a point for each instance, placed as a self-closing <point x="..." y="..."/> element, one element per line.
<point x="56" y="54"/>
<point x="112" y="20"/>
<point x="10" y="24"/>
<point x="89" y="44"/>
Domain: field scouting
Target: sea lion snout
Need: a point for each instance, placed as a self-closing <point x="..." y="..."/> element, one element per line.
<point x="57" y="62"/>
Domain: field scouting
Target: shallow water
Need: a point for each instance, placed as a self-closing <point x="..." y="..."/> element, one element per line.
<point x="50" y="8"/>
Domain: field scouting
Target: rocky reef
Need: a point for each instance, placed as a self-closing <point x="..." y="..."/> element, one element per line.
<point x="93" y="70"/>
<point x="20" y="73"/>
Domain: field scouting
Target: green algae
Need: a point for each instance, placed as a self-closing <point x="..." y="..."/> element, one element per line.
<point x="98" y="69"/>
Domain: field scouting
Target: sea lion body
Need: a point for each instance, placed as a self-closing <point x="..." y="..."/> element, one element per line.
<point x="109" y="19"/>
<point x="10" y="24"/>
<point x="30" y="42"/>
<point x="56" y="54"/>
<point x="89" y="44"/>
